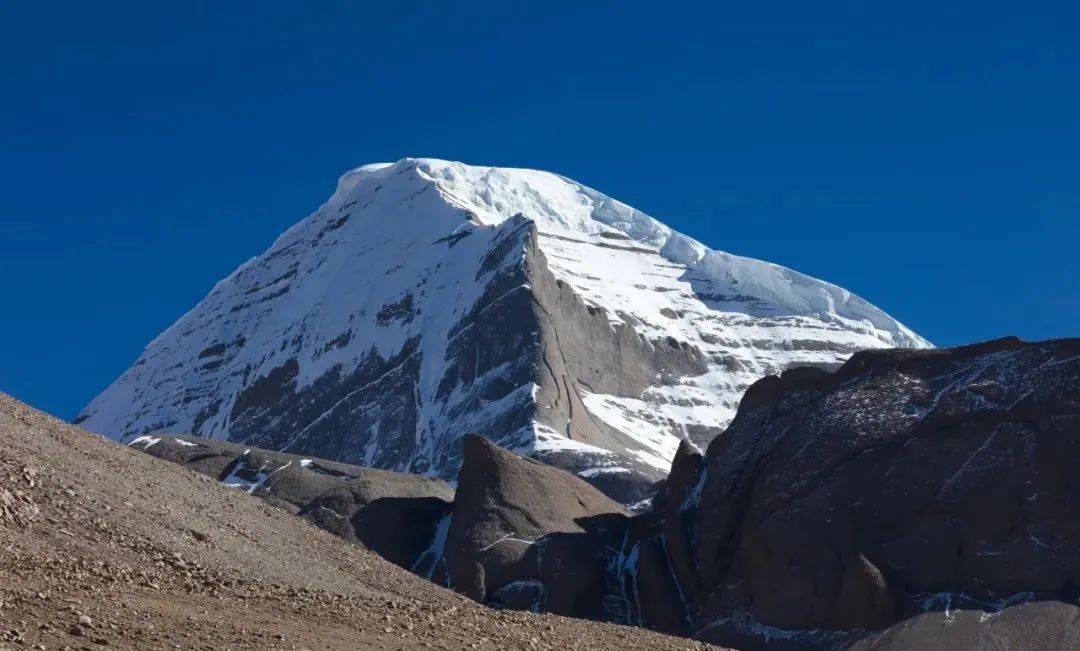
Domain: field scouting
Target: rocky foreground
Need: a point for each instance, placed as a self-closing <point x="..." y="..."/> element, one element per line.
<point x="912" y="499"/>
<point x="101" y="546"/>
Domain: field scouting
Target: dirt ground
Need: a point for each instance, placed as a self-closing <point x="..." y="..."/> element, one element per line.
<point x="101" y="546"/>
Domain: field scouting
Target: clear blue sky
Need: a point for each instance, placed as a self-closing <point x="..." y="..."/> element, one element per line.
<point x="923" y="154"/>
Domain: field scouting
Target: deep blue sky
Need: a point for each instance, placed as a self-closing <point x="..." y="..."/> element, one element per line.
<point x="925" y="156"/>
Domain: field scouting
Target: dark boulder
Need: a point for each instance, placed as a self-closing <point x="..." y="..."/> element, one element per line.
<point x="1038" y="626"/>
<point x="393" y="514"/>
<point x="390" y="513"/>
<point x="841" y="500"/>
<point x="525" y="532"/>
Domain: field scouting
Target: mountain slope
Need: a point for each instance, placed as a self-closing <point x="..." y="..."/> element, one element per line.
<point x="105" y="546"/>
<point x="911" y="499"/>
<point x="427" y="300"/>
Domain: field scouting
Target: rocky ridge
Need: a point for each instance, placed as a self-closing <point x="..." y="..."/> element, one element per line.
<point x="910" y="496"/>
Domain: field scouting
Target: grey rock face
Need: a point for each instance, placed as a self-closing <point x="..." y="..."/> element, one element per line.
<point x="583" y="351"/>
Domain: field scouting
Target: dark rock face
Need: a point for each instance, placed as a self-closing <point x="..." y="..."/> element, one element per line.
<point x="924" y="499"/>
<point x="1039" y="626"/>
<point x="522" y="530"/>
<point x="677" y="510"/>
<point x="328" y="418"/>
<point x="390" y="513"/>
<point x="838" y="504"/>
<point x="841" y="501"/>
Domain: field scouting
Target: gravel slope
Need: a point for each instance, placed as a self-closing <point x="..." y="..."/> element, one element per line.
<point x="101" y="545"/>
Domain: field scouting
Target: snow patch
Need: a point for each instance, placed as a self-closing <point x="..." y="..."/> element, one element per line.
<point x="145" y="441"/>
<point x="603" y="470"/>
<point x="236" y="480"/>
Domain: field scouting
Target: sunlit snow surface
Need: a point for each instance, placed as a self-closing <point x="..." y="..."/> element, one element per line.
<point x="320" y="295"/>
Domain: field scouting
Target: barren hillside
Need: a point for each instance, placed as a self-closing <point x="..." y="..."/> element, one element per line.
<point x="104" y="546"/>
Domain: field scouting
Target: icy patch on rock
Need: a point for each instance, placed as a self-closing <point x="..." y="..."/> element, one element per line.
<point x="145" y="441"/>
<point x="433" y="555"/>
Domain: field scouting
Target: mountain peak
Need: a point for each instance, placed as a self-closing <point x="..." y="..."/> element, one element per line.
<point x="427" y="299"/>
<point x="557" y="204"/>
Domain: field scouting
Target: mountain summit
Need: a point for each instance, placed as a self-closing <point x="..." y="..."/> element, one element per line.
<point x="427" y="299"/>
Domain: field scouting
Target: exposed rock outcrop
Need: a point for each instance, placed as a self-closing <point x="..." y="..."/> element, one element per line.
<point x="522" y="527"/>
<point x="393" y="514"/>
<point x="911" y="499"/>
<point x="842" y="500"/>
<point x="1037" y="626"/>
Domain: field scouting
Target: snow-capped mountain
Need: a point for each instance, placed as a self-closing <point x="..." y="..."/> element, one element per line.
<point x="430" y="299"/>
